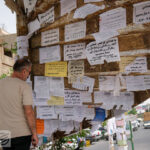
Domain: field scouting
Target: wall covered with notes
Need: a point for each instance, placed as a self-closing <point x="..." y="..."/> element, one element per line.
<point x="86" y="52"/>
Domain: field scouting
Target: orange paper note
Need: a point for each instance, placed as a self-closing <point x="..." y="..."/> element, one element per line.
<point x="40" y="126"/>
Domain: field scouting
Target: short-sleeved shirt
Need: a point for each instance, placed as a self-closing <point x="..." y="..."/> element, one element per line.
<point x="14" y="94"/>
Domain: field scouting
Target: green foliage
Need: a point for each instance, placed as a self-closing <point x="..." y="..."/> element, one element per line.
<point x="3" y="76"/>
<point x="58" y="144"/>
<point x="8" y="74"/>
<point x="14" y="50"/>
<point x="3" y="44"/>
<point x="133" y="111"/>
<point x="104" y="123"/>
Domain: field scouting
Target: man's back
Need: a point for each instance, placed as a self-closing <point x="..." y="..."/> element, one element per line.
<point x="14" y="93"/>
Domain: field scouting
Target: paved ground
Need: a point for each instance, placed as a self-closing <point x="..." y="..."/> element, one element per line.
<point x="141" y="141"/>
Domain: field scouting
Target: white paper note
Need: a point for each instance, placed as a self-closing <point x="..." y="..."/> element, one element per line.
<point x="106" y="83"/>
<point x="87" y="9"/>
<point x="66" y="126"/>
<point x="33" y="26"/>
<point x="125" y="99"/>
<point x="67" y="113"/>
<point x="56" y="86"/>
<point x="50" y="37"/>
<point x="86" y="97"/>
<point x="50" y="126"/>
<point x="22" y="42"/>
<point x="78" y="113"/>
<point x="89" y="113"/>
<point x="98" y="52"/>
<point x="138" y="65"/>
<point x="46" y="112"/>
<point x="75" y="31"/>
<point x="113" y="20"/>
<point x="103" y="36"/>
<point x="41" y="87"/>
<point x="40" y="102"/>
<point x="29" y="5"/>
<point x="75" y="70"/>
<point x="22" y="46"/>
<point x="141" y="12"/>
<point x="67" y="6"/>
<point x="72" y="97"/>
<point x="135" y="83"/>
<point x="49" y="54"/>
<point x="74" y="51"/>
<point x="76" y="125"/>
<point x="84" y="83"/>
<point x="47" y="17"/>
<point x="147" y="81"/>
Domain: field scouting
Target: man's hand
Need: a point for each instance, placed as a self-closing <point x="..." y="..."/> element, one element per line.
<point x="35" y="140"/>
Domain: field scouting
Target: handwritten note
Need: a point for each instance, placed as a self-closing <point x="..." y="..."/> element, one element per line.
<point x="75" y="31"/>
<point x="141" y="12"/>
<point x="74" y="51"/>
<point x="55" y="100"/>
<point x="113" y="20"/>
<point x="98" y="52"/>
<point x="75" y="69"/>
<point x="33" y="26"/>
<point x="29" y="5"/>
<point x="49" y="54"/>
<point x="67" y="6"/>
<point x="56" y="69"/>
<point x="50" y="37"/>
<point x="47" y="17"/>
<point x="72" y="97"/>
<point x="84" y="83"/>
<point x="138" y="65"/>
<point x="87" y="9"/>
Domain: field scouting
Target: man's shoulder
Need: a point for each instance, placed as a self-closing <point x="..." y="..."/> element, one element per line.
<point x="13" y="80"/>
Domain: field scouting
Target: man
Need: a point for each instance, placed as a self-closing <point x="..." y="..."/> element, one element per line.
<point x="16" y="113"/>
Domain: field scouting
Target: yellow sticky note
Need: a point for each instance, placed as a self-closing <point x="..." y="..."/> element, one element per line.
<point x="56" y="69"/>
<point x="56" y="100"/>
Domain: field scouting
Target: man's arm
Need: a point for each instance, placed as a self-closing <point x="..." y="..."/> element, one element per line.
<point x="30" y="116"/>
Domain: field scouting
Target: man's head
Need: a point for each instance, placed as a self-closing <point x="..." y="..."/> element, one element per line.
<point x="22" y="69"/>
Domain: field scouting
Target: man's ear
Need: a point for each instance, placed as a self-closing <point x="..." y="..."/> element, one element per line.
<point x="23" y="71"/>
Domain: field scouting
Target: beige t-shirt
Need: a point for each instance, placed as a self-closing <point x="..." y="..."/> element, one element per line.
<point x="14" y="93"/>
